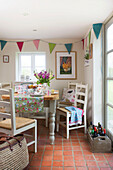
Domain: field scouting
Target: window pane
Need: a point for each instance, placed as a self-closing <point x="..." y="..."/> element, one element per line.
<point x="110" y="38"/>
<point x="40" y="60"/>
<point x="110" y="65"/>
<point x="38" y="69"/>
<point x="26" y="71"/>
<point x="110" y="91"/>
<point x="110" y="119"/>
<point x="25" y="60"/>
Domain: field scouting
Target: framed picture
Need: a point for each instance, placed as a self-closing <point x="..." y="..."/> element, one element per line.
<point x="90" y="51"/>
<point x="5" y="59"/>
<point x="65" y="65"/>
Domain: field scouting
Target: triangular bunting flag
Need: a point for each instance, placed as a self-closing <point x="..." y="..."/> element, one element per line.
<point x="83" y="43"/>
<point x="36" y="43"/>
<point x="51" y="47"/>
<point x="89" y="36"/>
<point x="68" y="47"/>
<point x="20" y="45"/>
<point x="3" y="43"/>
<point x="97" y="28"/>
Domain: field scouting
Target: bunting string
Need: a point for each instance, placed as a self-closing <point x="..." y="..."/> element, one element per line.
<point x="96" y="28"/>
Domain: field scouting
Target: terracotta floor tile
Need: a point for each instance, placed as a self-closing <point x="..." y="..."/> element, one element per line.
<point x="81" y="168"/>
<point x="103" y="164"/>
<point x="67" y="148"/>
<point x="58" y="148"/>
<point x="87" y="152"/>
<point x="77" y="152"/>
<point x="93" y="168"/>
<point x="45" y="168"/>
<point x="91" y="163"/>
<point x="69" y="168"/>
<point x="49" y="148"/>
<point x="109" y="158"/>
<point x="100" y="158"/>
<point x="78" y="157"/>
<point x="48" y="152"/>
<point x="59" y="168"/>
<point x="105" y="168"/>
<point x="57" y="163"/>
<point x="68" y="163"/>
<point x="89" y="157"/>
<point x="111" y="164"/>
<point x="47" y="157"/>
<point x="35" y="163"/>
<point x="68" y="158"/>
<point x="80" y="163"/>
<point x="76" y="148"/>
<point x="46" y="163"/>
<point x="58" y="152"/>
<point x="67" y="153"/>
<point x="57" y="157"/>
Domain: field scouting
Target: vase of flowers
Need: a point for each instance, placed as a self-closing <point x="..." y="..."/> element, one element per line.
<point x="44" y="79"/>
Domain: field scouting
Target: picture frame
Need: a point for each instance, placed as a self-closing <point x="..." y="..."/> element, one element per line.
<point x="5" y="59"/>
<point x="65" y="65"/>
<point x="90" y="51"/>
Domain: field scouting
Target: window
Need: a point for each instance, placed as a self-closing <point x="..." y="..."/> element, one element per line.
<point x="27" y="63"/>
<point x="109" y="76"/>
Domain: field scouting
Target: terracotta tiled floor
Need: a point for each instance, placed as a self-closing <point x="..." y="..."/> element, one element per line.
<point x="72" y="154"/>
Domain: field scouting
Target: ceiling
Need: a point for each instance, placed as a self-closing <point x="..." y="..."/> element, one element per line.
<point x="47" y="19"/>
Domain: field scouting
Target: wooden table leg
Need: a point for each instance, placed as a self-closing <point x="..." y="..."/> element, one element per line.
<point x="52" y="121"/>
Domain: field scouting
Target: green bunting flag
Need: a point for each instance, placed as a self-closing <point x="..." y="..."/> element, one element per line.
<point x="97" y="28"/>
<point x="89" y="37"/>
<point x="51" y="47"/>
<point x="68" y="47"/>
<point x="3" y="43"/>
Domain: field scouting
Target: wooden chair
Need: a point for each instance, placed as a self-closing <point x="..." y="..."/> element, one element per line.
<point x="65" y="103"/>
<point x="5" y="85"/>
<point x="13" y="125"/>
<point x="81" y="101"/>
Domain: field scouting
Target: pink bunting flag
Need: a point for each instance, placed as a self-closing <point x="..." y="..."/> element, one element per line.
<point x="83" y="43"/>
<point x="20" y="45"/>
<point x="36" y="43"/>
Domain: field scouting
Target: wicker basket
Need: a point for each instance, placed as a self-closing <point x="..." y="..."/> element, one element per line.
<point x="13" y="153"/>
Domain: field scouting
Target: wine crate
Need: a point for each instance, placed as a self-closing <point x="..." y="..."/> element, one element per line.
<point x="100" y="144"/>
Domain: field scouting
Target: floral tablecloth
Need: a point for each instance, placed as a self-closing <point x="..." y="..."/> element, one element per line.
<point x="26" y="104"/>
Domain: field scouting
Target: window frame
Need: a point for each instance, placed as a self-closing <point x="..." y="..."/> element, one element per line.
<point x="18" y="63"/>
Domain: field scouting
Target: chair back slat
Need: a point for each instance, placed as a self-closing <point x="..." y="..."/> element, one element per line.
<point x="4" y="104"/>
<point x="9" y="107"/>
<point x="71" y="85"/>
<point x="4" y="91"/>
<point x="81" y="95"/>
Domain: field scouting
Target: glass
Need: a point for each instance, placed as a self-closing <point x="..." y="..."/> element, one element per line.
<point x="110" y="91"/>
<point x="26" y="60"/>
<point x="40" y="60"/>
<point x="110" y="119"/>
<point x="110" y="65"/>
<point x="26" y="71"/>
<point x="110" y="38"/>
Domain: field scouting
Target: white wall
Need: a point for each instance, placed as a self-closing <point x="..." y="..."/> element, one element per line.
<point x="7" y="71"/>
<point x="93" y="76"/>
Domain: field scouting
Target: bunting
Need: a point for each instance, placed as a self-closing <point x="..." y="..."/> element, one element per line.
<point x="36" y="43"/>
<point x="83" y="43"/>
<point x="51" y="47"/>
<point x="3" y="43"/>
<point x="20" y="45"/>
<point x="68" y="47"/>
<point x="97" y="29"/>
<point x="86" y="42"/>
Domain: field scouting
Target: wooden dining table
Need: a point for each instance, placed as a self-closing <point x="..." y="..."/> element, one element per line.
<point x="52" y="104"/>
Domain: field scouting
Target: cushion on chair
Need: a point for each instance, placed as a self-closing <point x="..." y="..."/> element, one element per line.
<point x="20" y="122"/>
<point x="68" y="95"/>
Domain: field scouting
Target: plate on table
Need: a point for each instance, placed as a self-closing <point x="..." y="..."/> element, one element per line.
<point x="55" y="92"/>
<point x="36" y="95"/>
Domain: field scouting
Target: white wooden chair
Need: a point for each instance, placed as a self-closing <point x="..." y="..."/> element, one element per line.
<point x="64" y="103"/>
<point x="81" y="101"/>
<point x="5" y="85"/>
<point x="14" y="125"/>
